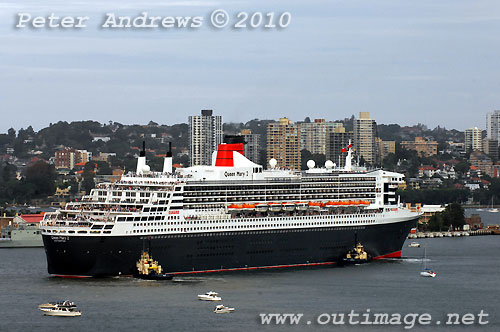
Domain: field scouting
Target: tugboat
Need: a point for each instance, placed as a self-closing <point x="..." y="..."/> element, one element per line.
<point x="149" y="269"/>
<point x="357" y="255"/>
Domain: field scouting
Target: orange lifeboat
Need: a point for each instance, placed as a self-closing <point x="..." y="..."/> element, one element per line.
<point x="235" y="207"/>
<point x="315" y="205"/>
<point x="248" y="206"/>
<point x="274" y="207"/>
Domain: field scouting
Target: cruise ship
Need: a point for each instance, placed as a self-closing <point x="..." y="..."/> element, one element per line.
<point x="229" y="216"/>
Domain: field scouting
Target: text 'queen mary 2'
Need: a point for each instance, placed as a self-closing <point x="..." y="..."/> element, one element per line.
<point x="232" y="215"/>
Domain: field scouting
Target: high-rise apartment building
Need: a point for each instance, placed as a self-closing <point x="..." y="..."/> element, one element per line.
<point x="490" y="147"/>
<point x="365" y="132"/>
<point x="493" y="126"/>
<point x="313" y="135"/>
<point x="205" y="135"/>
<point x="336" y="141"/>
<point x="283" y="143"/>
<point x="473" y="139"/>
<point x="252" y="145"/>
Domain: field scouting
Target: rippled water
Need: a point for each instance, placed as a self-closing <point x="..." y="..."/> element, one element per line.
<point x="468" y="270"/>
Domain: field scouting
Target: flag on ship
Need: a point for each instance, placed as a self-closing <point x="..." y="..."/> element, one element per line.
<point x="345" y="149"/>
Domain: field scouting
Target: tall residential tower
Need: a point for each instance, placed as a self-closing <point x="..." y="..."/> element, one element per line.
<point x="205" y="134"/>
<point x="283" y="143"/>
<point x="365" y="132"/>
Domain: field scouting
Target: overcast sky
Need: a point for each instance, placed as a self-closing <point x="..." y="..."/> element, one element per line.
<point x="427" y="61"/>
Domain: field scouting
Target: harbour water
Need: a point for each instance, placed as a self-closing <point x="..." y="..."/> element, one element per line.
<point x="467" y="282"/>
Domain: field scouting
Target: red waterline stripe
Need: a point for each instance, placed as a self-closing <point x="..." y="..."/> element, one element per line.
<point x="396" y="254"/>
<point x="253" y="268"/>
<point x="70" y="276"/>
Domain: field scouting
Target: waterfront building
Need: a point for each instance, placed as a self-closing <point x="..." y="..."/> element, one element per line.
<point x="365" y="131"/>
<point x="313" y="135"/>
<point x="283" y="144"/>
<point x="336" y="141"/>
<point x="252" y="145"/>
<point x="205" y="134"/>
<point x="424" y="147"/>
<point x="473" y="139"/>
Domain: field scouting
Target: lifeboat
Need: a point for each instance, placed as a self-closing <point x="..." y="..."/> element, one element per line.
<point x="332" y="204"/>
<point x="274" y="207"/>
<point x="235" y="207"/>
<point x="248" y="207"/>
<point x="288" y="206"/>
<point x="315" y="205"/>
<point x="301" y="206"/>
<point x="261" y="207"/>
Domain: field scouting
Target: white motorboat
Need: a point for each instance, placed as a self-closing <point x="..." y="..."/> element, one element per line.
<point x="209" y="296"/>
<point x="428" y="273"/>
<point x="414" y="245"/>
<point x="62" y="311"/>
<point x="53" y="305"/>
<point x="222" y="309"/>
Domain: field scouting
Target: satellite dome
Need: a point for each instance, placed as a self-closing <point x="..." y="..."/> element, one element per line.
<point x="146" y="169"/>
<point x="273" y="162"/>
<point x="311" y="164"/>
<point x="329" y="164"/>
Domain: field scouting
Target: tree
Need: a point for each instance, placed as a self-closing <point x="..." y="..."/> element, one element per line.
<point x="42" y="176"/>
<point x="88" y="182"/>
<point x="306" y="155"/>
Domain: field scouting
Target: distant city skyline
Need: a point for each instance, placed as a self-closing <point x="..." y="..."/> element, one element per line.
<point x="405" y="62"/>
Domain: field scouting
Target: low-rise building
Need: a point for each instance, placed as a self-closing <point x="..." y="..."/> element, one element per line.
<point x="474" y="222"/>
<point x="424" y="147"/>
<point x="482" y="162"/>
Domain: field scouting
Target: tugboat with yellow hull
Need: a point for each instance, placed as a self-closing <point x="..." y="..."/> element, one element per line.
<point x="357" y="255"/>
<point x="149" y="269"/>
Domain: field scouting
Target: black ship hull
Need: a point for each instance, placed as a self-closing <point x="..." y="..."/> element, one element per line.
<point x="103" y="256"/>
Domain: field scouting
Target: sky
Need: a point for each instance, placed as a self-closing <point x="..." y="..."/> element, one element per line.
<point x="405" y="62"/>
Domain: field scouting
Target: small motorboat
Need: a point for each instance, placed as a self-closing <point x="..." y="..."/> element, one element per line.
<point x="60" y="310"/>
<point x="428" y="273"/>
<point x="149" y="269"/>
<point x="209" y="296"/>
<point x="52" y="305"/>
<point x="222" y="309"/>
<point x="414" y="245"/>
